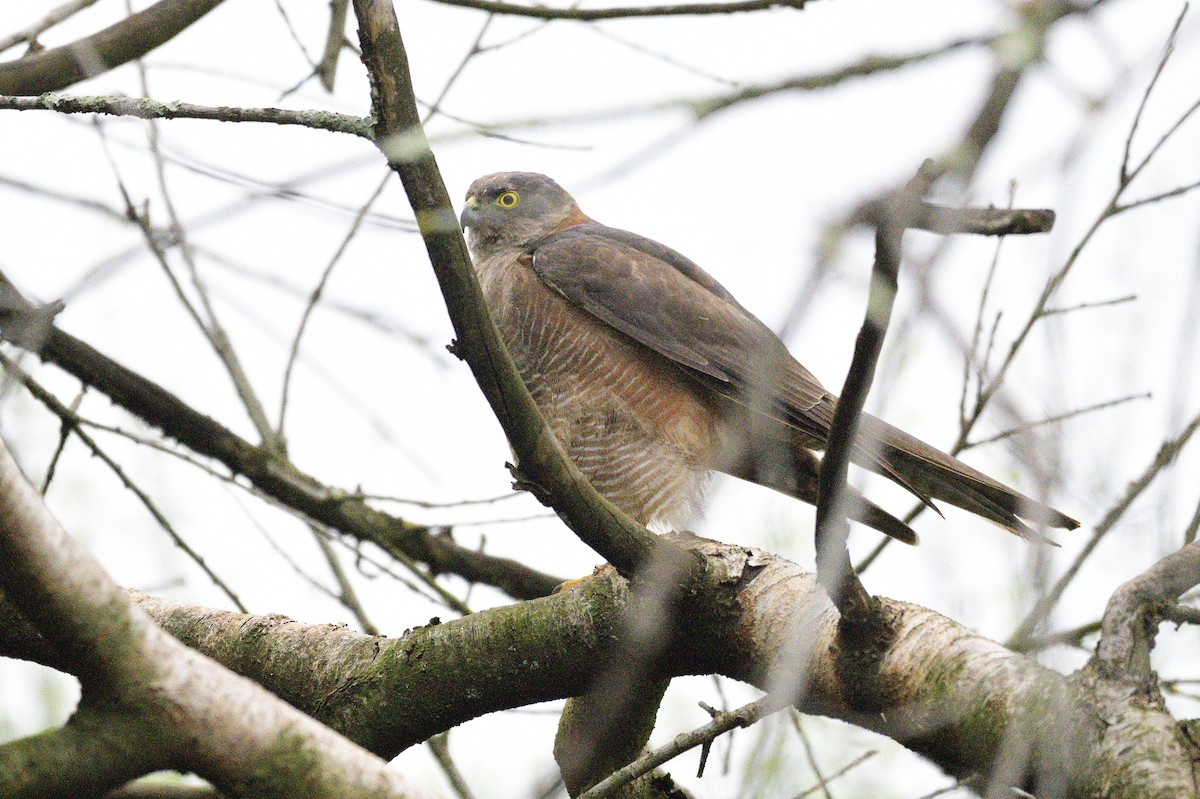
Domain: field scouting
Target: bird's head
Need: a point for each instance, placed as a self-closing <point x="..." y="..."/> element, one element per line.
<point x="517" y="209"/>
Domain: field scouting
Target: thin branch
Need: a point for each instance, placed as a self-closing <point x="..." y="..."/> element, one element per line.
<point x="1041" y="611"/>
<point x="920" y="215"/>
<point x="335" y="40"/>
<point x="977" y="333"/>
<point x="544" y="465"/>
<point x="346" y="594"/>
<point x="64" y="435"/>
<point x="822" y="783"/>
<point x="71" y="423"/>
<point x="1086" y="306"/>
<point x="211" y="325"/>
<point x="744" y="716"/>
<point x="591" y="14"/>
<point x="435" y="107"/>
<point x="1170" y="194"/>
<point x="1128" y="629"/>
<point x="1072" y="637"/>
<point x="1025" y="428"/>
<point x="1127" y="175"/>
<point x="273" y="476"/>
<point x="71" y="199"/>
<point x="56" y="15"/>
<point x="846" y="769"/>
<point x="144" y="108"/>
<point x="129" y="39"/>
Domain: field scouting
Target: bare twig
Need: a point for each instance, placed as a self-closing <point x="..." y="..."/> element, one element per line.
<point x="64" y="435"/>
<point x="346" y="593"/>
<point x="742" y="717"/>
<point x="131" y="38"/>
<point x="439" y="745"/>
<point x="210" y="325"/>
<point x="275" y="477"/>
<point x="822" y="784"/>
<point x="476" y="48"/>
<point x="1084" y="306"/>
<point x="401" y="138"/>
<point x="590" y="14"/>
<point x="56" y="15"/>
<point x="1165" y="456"/>
<point x="1125" y="174"/>
<point x="1073" y="637"/>
<point x="1025" y="428"/>
<point x="315" y="297"/>
<point x="1129" y="628"/>
<point x="144" y="108"/>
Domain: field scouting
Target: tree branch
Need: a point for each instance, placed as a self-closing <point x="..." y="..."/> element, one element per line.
<point x="145" y="108"/>
<point x="1130" y="622"/>
<point x="274" y="476"/>
<point x="592" y="14"/>
<point x="129" y="39"/>
<point x="148" y="702"/>
<point x="544" y="465"/>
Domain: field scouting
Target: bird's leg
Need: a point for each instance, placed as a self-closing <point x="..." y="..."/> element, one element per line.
<point x="521" y="482"/>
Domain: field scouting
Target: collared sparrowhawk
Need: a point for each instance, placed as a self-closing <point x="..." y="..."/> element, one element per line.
<point x="652" y="375"/>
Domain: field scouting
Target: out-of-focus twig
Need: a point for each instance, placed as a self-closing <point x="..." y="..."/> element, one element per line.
<point x="30" y="32"/>
<point x="143" y="108"/>
<point x="335" y="40"/>
<point x="742" y="717"/>
<point x="1165" y="456"/>
<point x="131" y="38"/>
<point x="71" y="423"/>
<point x="590" y="14"/>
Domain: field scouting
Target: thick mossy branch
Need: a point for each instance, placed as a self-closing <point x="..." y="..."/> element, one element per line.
<point x="961" y="700"/>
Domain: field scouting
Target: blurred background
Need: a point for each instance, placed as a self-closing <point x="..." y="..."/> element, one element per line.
<point x="746" y="141"/>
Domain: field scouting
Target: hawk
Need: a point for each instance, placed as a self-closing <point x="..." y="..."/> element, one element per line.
<point x="652" y="376"/>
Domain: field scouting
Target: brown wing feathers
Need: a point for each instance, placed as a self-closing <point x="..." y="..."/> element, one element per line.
<point x="667" y="303"/>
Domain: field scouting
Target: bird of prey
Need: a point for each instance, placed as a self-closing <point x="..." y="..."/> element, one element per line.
<point x="652" y="375"/>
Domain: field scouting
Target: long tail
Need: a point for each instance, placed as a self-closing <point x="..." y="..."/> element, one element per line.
<point x="932" y="475"/>
<point x="795" y="474"/>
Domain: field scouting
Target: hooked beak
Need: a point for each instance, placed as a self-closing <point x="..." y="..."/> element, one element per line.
<point x="470" y="214"/>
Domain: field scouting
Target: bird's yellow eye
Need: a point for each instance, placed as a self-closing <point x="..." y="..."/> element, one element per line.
<point x="508" y="199"/>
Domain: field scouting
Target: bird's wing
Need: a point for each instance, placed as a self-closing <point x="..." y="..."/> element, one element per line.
<point x="666" y="302"/>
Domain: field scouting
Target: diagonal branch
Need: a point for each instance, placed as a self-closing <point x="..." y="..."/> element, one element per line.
<point x="145" y="108"/>
<point x="148" y="701"/>
<point x="274" y="476"/>
<point x="544" y="465"/>
<point x="129" y="39"/>
<point x="1131" y="619"/>
<point x="30" y="32"/>
<point x="592" y="14"/>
